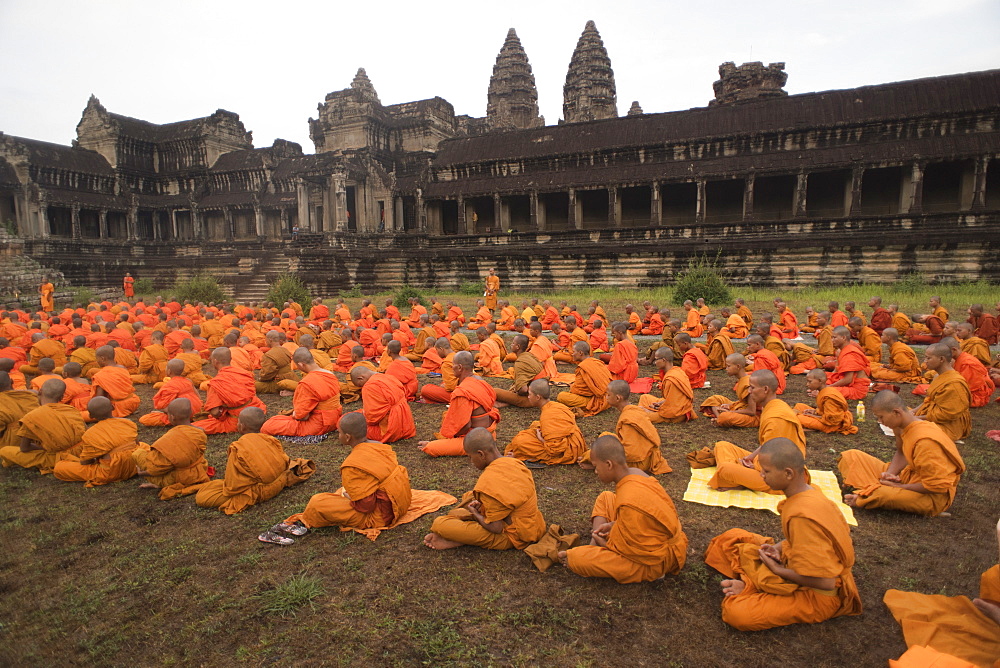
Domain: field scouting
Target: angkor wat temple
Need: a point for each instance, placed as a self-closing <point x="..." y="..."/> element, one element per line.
<point x="860" y="184"/>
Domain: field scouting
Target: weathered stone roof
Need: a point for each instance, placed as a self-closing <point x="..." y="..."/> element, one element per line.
<point x="589" y="93"/>
<point x="57" y="156"/>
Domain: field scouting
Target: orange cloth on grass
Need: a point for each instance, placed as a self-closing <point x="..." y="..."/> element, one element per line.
<point x="646" y="541"/>
<point x="852" y="358"/>
<point x="315" y="407"/>
<point x="386" y="410"/>
<point x="589" y="390"/>
<point x="111" y="443"/>
<point x="932" y="459"/>
<point x="676" y="404"/>
<point x="175" y="462"/>
<point x="624" y="364"/>
<point x="231" y="390"/>
<point x="117" y="384"/>
<point x="562" y="441"/>
<point x="177" y="387"/>
<point x="817" y="544"/>
<point x="834" y="413"/>
<point x="947" y="404"/>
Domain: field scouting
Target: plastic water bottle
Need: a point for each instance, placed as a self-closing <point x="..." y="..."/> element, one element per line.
<point x="861" y="411"/>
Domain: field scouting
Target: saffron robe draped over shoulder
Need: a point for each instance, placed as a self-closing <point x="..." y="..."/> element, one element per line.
<point x="589" y="390"/>
<point x="947" y="404"/>
<point x="175" y="462"/>
<point x="231" y="391"/>
<point x="852" y="358"/>
<point x="777" y="420"/>
<point x="386" y="409"/>
<point x="624" y="364"/>
<point x="676" y="404"/>
<point x="834" y="413"/>
<point x="177" y="387"/>
<point x="562" y="441"/>
<point x="695" y="364"/>
<point x="110" y="442"/>
<point x="472" y="398"/>
<point x="14" y="404"/>
<point x="315" y="407"/>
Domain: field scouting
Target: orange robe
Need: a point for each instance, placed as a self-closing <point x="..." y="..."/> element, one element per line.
<point x="764" y="359"/>
<point x="947" y="404"/>
<point x="257" y="469"/>
<point x="737" y="327"/>
<point x="789" y="325"/>
<point x="472" y="403"/>
<point x="981" y="386"/>
<point x="641" y="441"/>
<point x="404" y="372"/>
<point x="903" y="366"/>
<point x="541" y="348"/>
<point x="871" y="343"/>
<point x="852" y="358"/>
<point x="932" y="459"/>
<point x="315" y="408"/>
<point x="14" y="404"/>
<point x="646" y="541"/>
<point x="561" y="440"/>
<point x="837" y="319"/>
<point x="729" y="417"/>
<point x="655" y="327"/>
<point x="177" y="387"/>
<point x="811" y="324"/>
<point x="483" y="316"/>
<point x="44" y="348"/>
<point x="117" y="384"/>
<point x="231" y="390"/>
<point x="57" y="428"/>
<point x="175" y="462"/>
<point x="489" y="361"/>
<point x="718" y="349"/>
<point x="978" y="348"/>
<point x="692" y="325"/>
<point x="624" y="364"/>
<point x="111" y="443"/>
<point x="777" y="420"/>
<point x="817" y="544"/>
<point x="676" y="404"/>
<point x="506" y="492"/>
<point x="694" y="363"/>
<point x="193" y="364"/>
<point x="386" y="409"/>
<point x="589" y="391"/>
<point x="834" y="413"/>
<point x="441" y="394"/>
<point x="152" y="364"/>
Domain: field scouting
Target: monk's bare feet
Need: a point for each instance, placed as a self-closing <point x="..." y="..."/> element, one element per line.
<point x="733" y="587"/>
<point x="285" y="393"/>
<point x="148" y="485"/>
<point x="587" y="466"/>
<point x="436" y="542"/>
<point x="562" y="558"/>
<point x="851" y="500"/>
<point x="422" y="444"/>
<point x="499" y="404"/>
<point x="988" y="608"/>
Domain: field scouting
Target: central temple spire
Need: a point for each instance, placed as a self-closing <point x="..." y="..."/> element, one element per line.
<point x="589" y="93"/>
<point x="512" y="100"/>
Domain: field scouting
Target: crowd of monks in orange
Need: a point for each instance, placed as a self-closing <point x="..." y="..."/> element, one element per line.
<point x="61" y="371"/>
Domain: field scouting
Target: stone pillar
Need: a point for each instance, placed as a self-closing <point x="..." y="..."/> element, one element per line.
<point x="302" y="201"/>
<point x="915" y="203"/>
<point x="655" y="205"/>
<point x="43" y="218"/>
<point x="498" y="215"/>
<point x="196" y="229"/>
<point x="461" y="226"/>
<point x="75" y="220"/>
<point x="173" y="225"/>
<point x="534" y="223"/>
<point x="132" y="222"/>
<point x="979" y="189"/>
<point x="258" y="217"/>
<point x="421" y="212"/>
<point x="284" y="222"/>
<point x="573" y="213"/>
<point x="339" y="218"/>
<point x="155" y="218"/>
<point x="102" y="223"/>
<point x="799" y="205"/>
<point x="702" y="202"/>
<point x="854" y="192"/>
<point x="748" y="196"/>
<point x="614" y="207"/>
<point x="228" y="218"/>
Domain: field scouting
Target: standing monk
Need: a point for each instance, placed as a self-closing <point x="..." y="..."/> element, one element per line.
<point x="175" y="463"/>
<point x="384" y="406"/>
<point x="46" y="435"/>
<point x="804" y="579"/>
<point x="492" y="290"/>
<point x="229" y="392"/>
<point x="315" y="405"/>
<point x="472" y="405"/>
<point x="45" y="291"/>
<point x="128" y="284"/>
<point x="636" y="536"/>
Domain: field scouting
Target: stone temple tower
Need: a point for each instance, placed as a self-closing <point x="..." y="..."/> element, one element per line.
<point x="589" y="93"/>
<point x="512" y="101"/>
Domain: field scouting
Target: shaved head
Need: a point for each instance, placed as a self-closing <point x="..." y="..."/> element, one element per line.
<point x="581" y="347"/>
<point x="817" y="374"/>
<point x="664" y="353"/>
<point x="765" y="378"/>
<point x="480" y="440"/>
<point x="682" y="337"/>
<point x="619" y="388"/>
<point x="98" y="407"/>
<point x="5" y="381"/>
<point x="842" y="331"/>
<point x="464" y="359"/>
<point x="355" y="425"/>
<point x="175" y="367"/>
<point x="940" y="350"/>
<point x="394" y="347"/>
<point x="179" y="409"/>
<point x="303" y="355"/>
<point x="252" y="418"/>
<point x="608" y="448"/>
<point x="53" y="389"/>
<point x="223" y="356"/>
<point x="783" y="454"/>
<point x="737" y="359"/>
<point x="105" y="352"/>
<point x="886" y="401"/>
<point x="539" y="387"/>
<point x="360" y="375"/>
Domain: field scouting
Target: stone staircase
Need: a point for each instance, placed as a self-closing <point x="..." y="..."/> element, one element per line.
<point x="253" y="283"/>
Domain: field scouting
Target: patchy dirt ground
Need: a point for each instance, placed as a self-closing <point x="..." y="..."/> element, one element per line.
<point x="112" y="576"/>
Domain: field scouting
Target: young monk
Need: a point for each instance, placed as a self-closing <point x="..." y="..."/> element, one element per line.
<point x="923" y="475"/>
<point x="948" y="397"/>
<point x="599" y="337"/>
<point x="13" y="406"/>
<point x="489" y="361"/>
<point x="315" y="405"/>
<point x="675" y="389"/>
<point x="981" y="386"/>
<point x="587" y="395"/>
<point x="851" y="377"/>
<point x="692" y="324"/>
<point x="554" y="438"/>
<point x="229" y="392"/>
<point x="541" y="348"/>
<point x="41" y="348"/>
<point x="719" y="346"/>
<point x="152" y="361"/>
<point x="349" y="392"/>
<point x="175" y="387"/>
<point x="106" y="453"/>
<point x="811" y="322"/>
<point x="694" y="362"/>
<point x="384" y="406"/>
<point x="728" y="413"/>
<point x="175" y="463"/>
<point x="500" y="513"/>
<point x="193" y="363"/>
<point x="636" y="535"/>
<point x="636" y="432"/>
<point x="441" y="394"/>
<point x="16" y="377"/>
<point x="48" y="434"/>
<point x="46" y="367"/>
<point x="276" y="374"/>
<point x="973" y="345"/>
<point x="763" y="359"/>
<point x="831" y="414"/>
<point x="257" y="469"/>
<point x="902" y="366"/>
<point x="114" y="382"/>
<point x="402" y="369"/>
<point x="837" y="317"/>
<point x="804" y="579"/>
<point x="526" y="368"/>
<point x="473" y="404"/>
<point x="868" y="339"/>
<point x="376" y="489"/>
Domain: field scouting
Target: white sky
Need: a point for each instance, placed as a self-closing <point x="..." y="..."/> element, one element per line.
<point x="273" y="62"/>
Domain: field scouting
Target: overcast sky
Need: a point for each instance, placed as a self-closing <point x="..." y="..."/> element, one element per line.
<point x="273" y="62"/>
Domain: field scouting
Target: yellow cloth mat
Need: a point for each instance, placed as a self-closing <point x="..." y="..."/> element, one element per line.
<point x="698" y="491"/>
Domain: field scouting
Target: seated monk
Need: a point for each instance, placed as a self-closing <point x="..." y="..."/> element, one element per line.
<point x="276" y="373"/>
<point x="599" y="337"/>
<point x="193" y="363"/>
<point x="728" y="413"/>
<point x="115" y="383"/>
<point x="456" y="338"/>
<point x="349" y="392"/>
<point x="788" y="323"/>
<point x="719" y="346"/>
<point x="526" y="368"/>
<point x="257" y="468"/>
<point x="837" y="317"/>
<point x="692" y="325"/>
<point x="635" y="431"/>
<point x="984" y="325"/>
<point x="973" y="345"/>
<point x="46" y="368"/>
<point x="402" y="369"/>
<point x="922" y="476"/>
<point x="229" y="392"/>
<point x="483" y="316"/>
<point x="657" y="322"/>
<point x="623" y="362"/>
<point x="152" y="361"/>
<point x="508" y="314"/>
<point x="554" y="438"/>
<point x="431" y="359"/>
<point x="384" y="406"/>
<point x="587" y="395"/>
<point x="315" y="405"/>
<point x="500" y="513"/>
<point x="676" y="393"/>
<point x="926" y="329"/>
<point x="948" y="397"/>
<point x="42" y="347"/>
<point x="869" y="341"/>
<point x="106" y="453"/>
<point x="549" y="315"/>
<point x="851" y="376"/>
<point x="804" y="579"/>
<point x="772" y="342"/>
<point x="981" y="386"/>
<point x="734" y="324"/>
<point x="77" y="387"/>
<point x="454" y="314"/>
<point x="48" y="434"/>
<point x="694" y="363"/>
<point x="881" y="317"/>
<point x="13" y="405"/>
<point x="743" y="311"/>
<point x="831" y="414"/>
<point x="763" y="359"/>
<point x="740" y="468"/>
<point x="489" y="360"/>
<point x="422" y="340"/>
<point x="472" y="405"/>
<point x="803" y="358"/>
<point x="561" y="345"/>
<point x="636" y="536"/>
<point x="175" y="387"/>
<point x="811" y="322"/>
<point x="902" y="366"/>
<point x="375" y="494"/>
<point x="541" y="347"/>
<point x="673" y="325"/>
<point x="175" y="463"/>
<point x="441" y="394"/>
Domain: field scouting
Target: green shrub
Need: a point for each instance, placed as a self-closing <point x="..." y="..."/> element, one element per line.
<point x="401" y="298"/>
<point x="471" y="288"/>
<point x="199" y="288"/>
<point x="912" y="283"/>
<point x="143" y="286"/>
<point x="82" y="296"/>
<point x="288" y="288"/>
<point x="702" y="279"/>
<point x="353" y="293"/>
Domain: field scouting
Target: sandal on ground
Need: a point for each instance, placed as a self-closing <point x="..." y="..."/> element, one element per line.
<point x="277" y="539"/>
<point x="294" y="529"/>
<point x="535" y="465"/>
